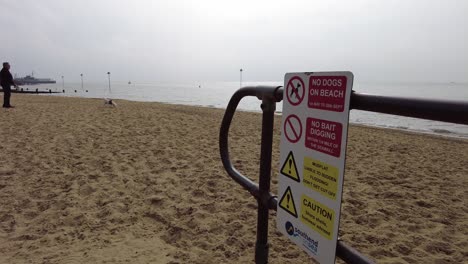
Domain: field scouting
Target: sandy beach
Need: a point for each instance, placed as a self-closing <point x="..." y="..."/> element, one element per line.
<point x="81" y="182"/>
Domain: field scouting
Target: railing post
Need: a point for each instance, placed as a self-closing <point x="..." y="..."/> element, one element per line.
<point x="261" y="247"/>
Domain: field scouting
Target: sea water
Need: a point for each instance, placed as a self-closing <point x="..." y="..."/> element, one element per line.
<point x="218" y="94"/>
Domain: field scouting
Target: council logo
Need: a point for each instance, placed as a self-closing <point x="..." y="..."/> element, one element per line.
<point x="289" y="228"/>
<point x="309" y="243"/>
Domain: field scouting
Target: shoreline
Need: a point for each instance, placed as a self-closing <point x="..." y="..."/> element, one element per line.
<point x="448" y="134"/>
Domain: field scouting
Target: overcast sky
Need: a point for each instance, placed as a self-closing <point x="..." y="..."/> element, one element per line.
<point x="174" y="40"/>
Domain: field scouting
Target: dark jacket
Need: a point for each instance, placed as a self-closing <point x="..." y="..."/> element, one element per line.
<point x="5" y="78"/>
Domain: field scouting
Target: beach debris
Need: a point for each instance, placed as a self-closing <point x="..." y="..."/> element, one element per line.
<point x="110" y="102"/>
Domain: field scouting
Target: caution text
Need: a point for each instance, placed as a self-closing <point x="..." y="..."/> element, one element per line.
<point x="317" y="216"/>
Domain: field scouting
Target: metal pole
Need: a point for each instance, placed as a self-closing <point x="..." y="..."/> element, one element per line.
<point x="81" y="81"/>
<point x="261" y="247"/>
<point x="63" y="83"/>
<point x="108" y="77"/>
<point x="240" y="78"/>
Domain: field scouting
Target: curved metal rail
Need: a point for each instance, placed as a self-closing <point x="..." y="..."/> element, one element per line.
<point x="439" y="110"/>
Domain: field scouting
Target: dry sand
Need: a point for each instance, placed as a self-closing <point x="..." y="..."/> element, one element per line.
<point x="143" y="183"/>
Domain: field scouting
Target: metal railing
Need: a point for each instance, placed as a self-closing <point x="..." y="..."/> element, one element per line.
<point x="439" y="110"/>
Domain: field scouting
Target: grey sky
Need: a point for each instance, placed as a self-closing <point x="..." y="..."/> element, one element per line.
<point x="210" y="40"/>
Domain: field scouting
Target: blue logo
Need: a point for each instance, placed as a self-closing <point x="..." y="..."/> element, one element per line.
<point x="289" y="228"/>
<point x="308" y="242"/>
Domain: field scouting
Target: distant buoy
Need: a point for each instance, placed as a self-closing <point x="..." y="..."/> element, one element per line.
<point x="86" y="90"/>
<point x="75" y="91"/>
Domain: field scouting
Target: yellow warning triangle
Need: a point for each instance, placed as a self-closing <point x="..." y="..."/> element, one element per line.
<point x="287" y="202"/>
<point x="289" y="168"/>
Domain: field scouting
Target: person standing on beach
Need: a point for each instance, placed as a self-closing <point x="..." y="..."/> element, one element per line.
<point x="6" y="81"/>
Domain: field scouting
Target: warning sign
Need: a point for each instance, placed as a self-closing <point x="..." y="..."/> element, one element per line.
<point x="295" y="90"/>
<point x="312" y="159"/>
<point x="287" y="202"/>
<point x="317" y="216"/>
<point x="321" y="177"/>
<point x="292" y="128"/>
<point x="323" y="136"/>
<point x="327" y="93"/>
<point x="289" y="168"/>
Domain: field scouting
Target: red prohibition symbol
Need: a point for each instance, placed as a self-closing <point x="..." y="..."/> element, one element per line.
<point x="292" y="128"/>
<point x="295" y="90"/>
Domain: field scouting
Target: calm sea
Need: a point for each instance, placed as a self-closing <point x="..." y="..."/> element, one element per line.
<point x="217" y="94"/>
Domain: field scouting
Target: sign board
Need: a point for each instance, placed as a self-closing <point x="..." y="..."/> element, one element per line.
<point x="312" y="160"/>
